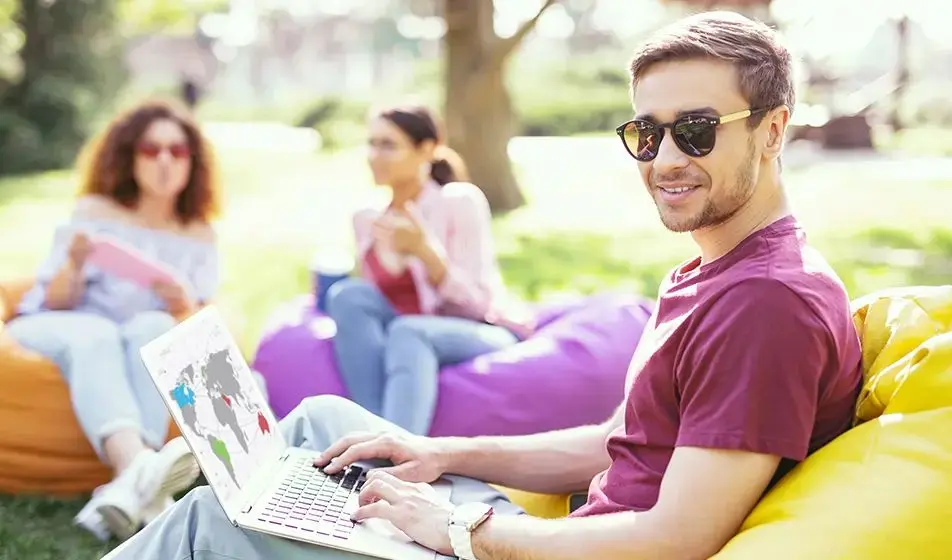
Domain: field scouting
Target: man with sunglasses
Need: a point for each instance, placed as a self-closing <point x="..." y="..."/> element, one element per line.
<point x="750" y="363"/>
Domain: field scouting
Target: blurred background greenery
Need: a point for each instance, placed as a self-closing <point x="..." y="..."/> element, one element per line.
<point x="284" y="86"/>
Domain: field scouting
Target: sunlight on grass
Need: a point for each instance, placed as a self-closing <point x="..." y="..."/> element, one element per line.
<point x="589" y="227"/>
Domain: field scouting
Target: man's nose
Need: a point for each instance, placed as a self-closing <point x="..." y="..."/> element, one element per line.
<point x="670" y="157"/>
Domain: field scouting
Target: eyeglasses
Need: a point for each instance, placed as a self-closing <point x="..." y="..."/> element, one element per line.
<point x="152" y="150"/>
<point x="694" y="135"/>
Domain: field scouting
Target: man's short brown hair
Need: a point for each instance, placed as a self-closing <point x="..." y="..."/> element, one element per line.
<point x="764" y="65"/>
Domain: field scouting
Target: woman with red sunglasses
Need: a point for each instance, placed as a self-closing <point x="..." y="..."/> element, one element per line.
<point x="149" y="181"/>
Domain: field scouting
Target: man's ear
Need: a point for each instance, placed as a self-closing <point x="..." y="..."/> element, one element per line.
<point x="776" y="122"/>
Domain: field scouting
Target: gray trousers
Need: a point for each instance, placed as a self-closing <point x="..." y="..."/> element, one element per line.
<point x="196" y="527"/>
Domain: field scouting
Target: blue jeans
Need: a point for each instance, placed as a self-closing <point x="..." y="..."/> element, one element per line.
<point x="197" y="527"/>
<point x="109" y="387"/>
<point x="390" y="363"/>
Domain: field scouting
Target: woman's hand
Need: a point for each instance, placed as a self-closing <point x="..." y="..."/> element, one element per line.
<point x="79" y="249"/>
<point x="66" y="288"/>
<point x="175" y="296"/>
<point x="403" y="230"/>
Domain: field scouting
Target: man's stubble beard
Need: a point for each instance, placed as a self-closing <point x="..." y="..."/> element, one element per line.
<point x="716" y="213"/>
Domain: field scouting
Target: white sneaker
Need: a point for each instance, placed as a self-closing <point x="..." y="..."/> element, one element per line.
<point x="118" y="503"/>
<point x="145" y="488"/>
<point x="91" y="520"/>
<point x="156" y="508"/>
<point x="171" y="470"/>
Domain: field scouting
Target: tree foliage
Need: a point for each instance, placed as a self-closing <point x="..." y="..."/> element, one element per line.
<point x="147" y="16"/>
<point x="70" y="66"/>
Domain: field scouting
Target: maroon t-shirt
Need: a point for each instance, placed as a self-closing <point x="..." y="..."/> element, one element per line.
<point x="755" y="351"/>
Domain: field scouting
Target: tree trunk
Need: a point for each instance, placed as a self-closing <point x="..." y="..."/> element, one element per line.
<point x="902" y="72"/>
<point x="478" y="109"/>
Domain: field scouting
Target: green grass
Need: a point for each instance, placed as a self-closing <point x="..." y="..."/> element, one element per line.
<point x="589" y="226"/>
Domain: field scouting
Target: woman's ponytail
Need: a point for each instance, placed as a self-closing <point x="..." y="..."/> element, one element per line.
<point x="447" y="166"/>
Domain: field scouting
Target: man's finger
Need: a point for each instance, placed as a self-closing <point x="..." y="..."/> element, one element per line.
<point x="376" y="490"/>
<point x="340" y="446"/>
<point x="375" y="448"/>
<point x="406" y="472"/>
<point x="386" y="477"/>
<point x="377" y="510"/>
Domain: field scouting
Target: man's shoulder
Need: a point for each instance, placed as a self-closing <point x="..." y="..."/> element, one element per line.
<point x="788" y="263"/>
<point x="807" y="298"/>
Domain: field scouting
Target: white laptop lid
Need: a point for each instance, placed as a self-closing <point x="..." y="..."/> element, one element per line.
<point x="216" y="403"/>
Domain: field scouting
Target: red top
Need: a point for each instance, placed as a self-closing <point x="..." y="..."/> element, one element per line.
<point x="753" y="351"/>
<point x="399" y="289"/>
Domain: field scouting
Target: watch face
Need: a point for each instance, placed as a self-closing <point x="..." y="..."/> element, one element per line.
<point x="471" y="515"/>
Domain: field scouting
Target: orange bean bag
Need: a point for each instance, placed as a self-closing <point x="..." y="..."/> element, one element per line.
<point x="42" y="449"/>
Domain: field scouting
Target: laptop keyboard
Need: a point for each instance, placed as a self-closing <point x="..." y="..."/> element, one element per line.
<point x="314" y="502"/>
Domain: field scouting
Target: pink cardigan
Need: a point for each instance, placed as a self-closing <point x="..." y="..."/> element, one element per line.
<point x="458" y="221"/>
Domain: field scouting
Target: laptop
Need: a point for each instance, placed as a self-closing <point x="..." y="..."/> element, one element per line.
<point x="261" y="482"/>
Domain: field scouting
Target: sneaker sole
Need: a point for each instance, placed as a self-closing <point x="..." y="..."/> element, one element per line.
<point x="181" y="474"/>
<point x="178" y="475"/>
<point x="118" y="522"/>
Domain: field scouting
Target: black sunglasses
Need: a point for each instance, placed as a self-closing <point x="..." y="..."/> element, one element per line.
<point x="693" y="134"/>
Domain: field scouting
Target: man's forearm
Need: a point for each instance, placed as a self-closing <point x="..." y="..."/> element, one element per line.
<point x="617" y="536"/>
<point x="555" y="462"/>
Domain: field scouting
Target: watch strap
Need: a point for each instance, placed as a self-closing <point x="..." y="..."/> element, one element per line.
<point x="462" y="542"/>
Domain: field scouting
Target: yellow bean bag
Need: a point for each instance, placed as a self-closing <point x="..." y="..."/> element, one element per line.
<point x="883" y="490"/>
<point x="42" y="449"/>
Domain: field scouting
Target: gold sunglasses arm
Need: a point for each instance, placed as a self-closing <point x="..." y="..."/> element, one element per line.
<point x="735" y="116"/>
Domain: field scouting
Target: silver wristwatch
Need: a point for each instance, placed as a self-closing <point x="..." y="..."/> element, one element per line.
<point x="463" y="521"/>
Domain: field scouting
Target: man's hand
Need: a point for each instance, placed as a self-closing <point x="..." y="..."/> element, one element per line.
<point x="414" y="508"/>
<point x="415" y="458"/>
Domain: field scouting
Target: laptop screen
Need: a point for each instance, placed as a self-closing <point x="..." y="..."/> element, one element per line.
<point x="216" y="403"/>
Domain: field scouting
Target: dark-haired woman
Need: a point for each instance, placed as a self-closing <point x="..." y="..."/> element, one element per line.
<point x="430" y="292"/>
<point x="149" y="181"/>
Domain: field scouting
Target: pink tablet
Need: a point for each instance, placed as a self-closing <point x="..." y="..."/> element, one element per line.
<point x="125" y="261"/>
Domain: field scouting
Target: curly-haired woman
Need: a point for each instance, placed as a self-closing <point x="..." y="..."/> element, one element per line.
<point x="148" y="181"/>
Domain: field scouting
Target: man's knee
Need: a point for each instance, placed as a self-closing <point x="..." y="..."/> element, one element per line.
<point x="201" y="504"/>
<point x="326" y="407"/>
<point x="349" y="294"/>
<point x="320" y="421"/>
<point x="146" y="326"/>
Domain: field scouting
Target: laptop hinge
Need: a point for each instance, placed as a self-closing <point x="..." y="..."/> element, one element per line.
<point x="260" y="483"/>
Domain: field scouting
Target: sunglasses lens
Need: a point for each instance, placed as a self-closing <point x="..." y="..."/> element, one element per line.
<point x="180" y="151"/>
<point x="152" y="151"/>
<point x="148" y="149"/>
<point x="695" y="135"/>
<point x="642" y="140"/>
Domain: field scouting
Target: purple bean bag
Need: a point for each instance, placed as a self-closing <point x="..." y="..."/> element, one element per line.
<point x="569" y="373"/>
